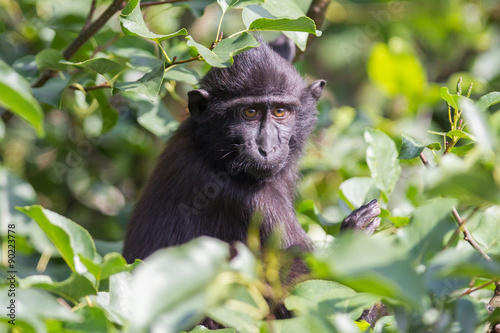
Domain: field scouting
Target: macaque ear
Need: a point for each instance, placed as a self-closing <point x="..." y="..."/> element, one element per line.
<point x="197" y="101"/>
<point x="285" y="47"/>
<point x="316" y="88"/>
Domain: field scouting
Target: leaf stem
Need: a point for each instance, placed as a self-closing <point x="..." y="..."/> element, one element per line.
<point x="164" y="53"/>
<point x="461" y="223"/>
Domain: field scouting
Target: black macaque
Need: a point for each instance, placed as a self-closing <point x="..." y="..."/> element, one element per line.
<point x="235" y="156"/>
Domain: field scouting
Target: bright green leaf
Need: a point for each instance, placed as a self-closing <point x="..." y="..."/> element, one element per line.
<point x="37" y="307"/>
<point x="328" y="297"/>
<point x="182" y="74"/>
<point x="133" y="23"/>
<point x="167" y="285"/>
<point x="428" y="225"/>
<point x="462" y="150"/>
<point x="222" y="54"/>
<point x="357" y="191"/>
<point x="374" y="265"/>
<point x="15" y="95"/>
<point x="149" y="85"/>
<point x="477" y="124"/>
<point x="73" y="288"/>
<point x="70" y="239"/>
<point x="434" y="146"/>
<point x="488" y="100"/>
<point x="382" y="159"/>
<point x="98" y="65"/>
<point x="449" y="98"/>
<point x="460" y="134"/>
<point x="304" y="24"/>
<point x="152" y="115"/>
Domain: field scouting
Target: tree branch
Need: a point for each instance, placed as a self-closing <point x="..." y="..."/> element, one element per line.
<point x="84" y="35"/>
<point x="460" y="222"/>
<point x="316" y="12"/>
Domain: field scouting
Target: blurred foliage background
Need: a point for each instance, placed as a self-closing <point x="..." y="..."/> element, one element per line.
<point x="384" y="61"/>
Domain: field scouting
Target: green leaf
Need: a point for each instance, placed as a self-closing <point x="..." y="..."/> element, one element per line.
<point x="474" y="185"/>
<point x="356" y="191"/>
<point x="429" y="223"/>
<point x="410" y="148"/>
<point x="98" y="65"/>
<point x="15" y="95"/>
<point x="152" y="115"/>
<point x="70" y="239"/>
<point x="460" y="134"/>
<point x="50" y="59"/>
<point x="37" y="307"/>
<point x="303" y="23"/>
<point x="136" y="58"/>
<point x="225" y="5"/>
<point x="229" y="47"/>
<point x="149" y="85"/>
<point x="73" y="288"/>
<point x="449" y="98"/>
<point x="488" y="100"/>
<point x="463" y="261"/>
<point x="477" y="124"/>
<point x="14" y="191"/>
<point x="182" y="74"/>
<point x="246" y="317"/>
<point x="462" y="150"/>
<point x="96" y="321"/>
<point x="222" y="54"/>
<point x="109" y="114"/>
<point x="167" y="285"/>
<point x="434" y="146"/>
<point x="382" y="159"/>
<point x="328" y="297"/>
<point x="274" y="9"/>
<point x="485" y="229"/>
<point x="52" y="91"/>
<point x="376" y="265"/>
<point x="132" y="23"/>
<point x="118" y="301"/>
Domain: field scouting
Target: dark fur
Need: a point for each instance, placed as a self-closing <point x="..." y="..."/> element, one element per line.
<point x="201" y="186"/>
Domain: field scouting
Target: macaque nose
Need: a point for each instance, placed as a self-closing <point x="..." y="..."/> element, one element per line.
<point x="266" y="151"/>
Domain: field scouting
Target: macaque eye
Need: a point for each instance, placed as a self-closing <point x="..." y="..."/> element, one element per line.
<point x="250" y="113"/>
<point x="280" y="112"/>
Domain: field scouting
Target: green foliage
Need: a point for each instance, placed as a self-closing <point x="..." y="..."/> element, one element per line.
<point x="105" y="108"/>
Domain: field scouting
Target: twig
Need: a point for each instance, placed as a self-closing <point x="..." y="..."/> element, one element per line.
<point x="105" y="45"/>
<point x="424" y="160"/>
<point x="467" y="235"/>
<point x="471" y="290"/>
<point x="155" y="3"/>
<point x="89" y="16"/>
<point x="101" y="86"/>
<point x="461" y="223"/>
<point x="316" y="12"/>
<point x="175" y="62"/>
